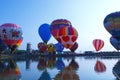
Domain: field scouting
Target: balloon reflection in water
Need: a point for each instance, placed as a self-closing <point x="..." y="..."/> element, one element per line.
<point x="99" y="67"/>
<point x="51" y="63"/>
<point x="60" y="64"/>
<point x="45" y="76"/>
<point x="67" y="74"/>
<point x="116" y="70"/>
<point x="42" y="64"/>
<point x="74" y="64"/>
<point x="10" y="72"/>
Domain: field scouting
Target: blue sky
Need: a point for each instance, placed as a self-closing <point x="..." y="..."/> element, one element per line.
<point x="85" y="15"/>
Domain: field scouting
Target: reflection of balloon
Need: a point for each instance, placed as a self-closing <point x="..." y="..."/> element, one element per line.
<point x="44" y="32"/>
<point x="51" y="63"/>
<point x="42" y="64"/>
<point x="11" y="34"/>
<point x="56" y="25"/>
<point x="51" y="47"/>
<point x="112" y="24"/>
<point x="74" y="47"/>
<point x="59" y="47"/>
<point x="60" y="64"/>
<point x="98" y="44"/>
<point x="99" y="66"/>
<point x="11" y="72"/>
<point x="116" y="70"/>
<point x="67" y="36"/>
<point x="115" y="43"/>
<point x="42" y="46"/>
<point x="67" y="74"/>
<point x="74" y="64"/>
<point x="45" y="76"/>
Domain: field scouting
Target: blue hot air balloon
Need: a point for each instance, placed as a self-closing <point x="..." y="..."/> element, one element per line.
<point x="59" y="47"/>
<point x="44" y="32"/>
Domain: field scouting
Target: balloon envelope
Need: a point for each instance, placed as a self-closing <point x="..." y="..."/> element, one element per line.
<point x="98" y="44"/>
<point x="42" y="46"/>
<point x="115" y="43"/>
<point x="57" y="24"/>
<point x="59" y="47"/>
<point x="112" y="24"/>
<point x="44" y="32"/>
<point x="67" y="36"/>
<point x="74" y="47"/>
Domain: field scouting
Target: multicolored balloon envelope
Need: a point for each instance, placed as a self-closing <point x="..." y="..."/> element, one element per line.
<point x="99" y="66"/>
<point x="115" y="43"/>
<point x="11" y="34"/>
<point x="74" y="47"/>
<point x="44" y="32"/>
<point x="98" y="44"/>
<point x="67" y="36"/>
<point x="112" y="24"/>
<point x="57" y="24"/>
<point x="42" y="47"/>
<point x="51" y="47"/>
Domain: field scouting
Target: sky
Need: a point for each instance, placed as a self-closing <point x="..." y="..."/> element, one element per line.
<point x="85" y="15"/>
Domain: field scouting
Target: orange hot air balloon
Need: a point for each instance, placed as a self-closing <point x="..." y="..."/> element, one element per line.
<point x="98" y="44"/>
<point x="99" y="66"/>
<point x="67" y="36"/>
<point x="57" y="24"/>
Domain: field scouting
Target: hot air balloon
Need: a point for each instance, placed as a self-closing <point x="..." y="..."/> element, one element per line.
<point x="57" y="24"/>
<point x="11" y="34"/>
<point x="42" y="47"/>
<point x="51" y="48"/>
<point x="115" y="43"/>
<point x="98" y="44"/>
<point x="74" y="47"/>
<point x="59" y="47"/>
<point x="44" y="32"/>
<point x="11" y="72"/>
<point x="67" y="36"/>
<point x="100" y="67"/>
<point x="112" y="24"/>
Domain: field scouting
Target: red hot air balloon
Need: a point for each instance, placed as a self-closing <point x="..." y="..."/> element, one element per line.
<point x="67" y="36"/>
<point x="57" y="24"/>
<point x="74" y="47"/>
<point x="99" y="66"/>
<point x="98" y="44"/>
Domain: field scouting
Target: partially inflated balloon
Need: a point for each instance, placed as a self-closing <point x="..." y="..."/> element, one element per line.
<point x="112" y="24"/>
<point x="44" y="32"/>
<point x="115" y="43"/>
<point x="59" y="47"/>
<point x="67" y="36"/>
<point x="74" y="47"/>
<point x="57" y="24"/>
<point x="98" y="44"/>
<point x="11" y="33"/>
<point x="51" y="47"/>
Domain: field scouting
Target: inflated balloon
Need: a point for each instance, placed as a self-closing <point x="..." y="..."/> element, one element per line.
<point x="98" y="44"/>
<point x="59" y="47"/>
<point x="57" y="24"/>
<point x="115" y="43"/>
<point x="99" y="66"/>
<point x="51" y="47"/>
<point x="67" y="36"/>
<point x="112" y="24"/>
<point x="11" y="34"/>
<point x="44" y="32"/>
<point x="74" y="47"/>
<point x="42" y="47"/>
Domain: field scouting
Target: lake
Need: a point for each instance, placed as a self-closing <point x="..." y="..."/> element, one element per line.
<point x="58" y="68"/>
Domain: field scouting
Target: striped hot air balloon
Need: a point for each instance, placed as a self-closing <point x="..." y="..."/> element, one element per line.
<point x="98" y="44"/>
<point x="99" y="66"/>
